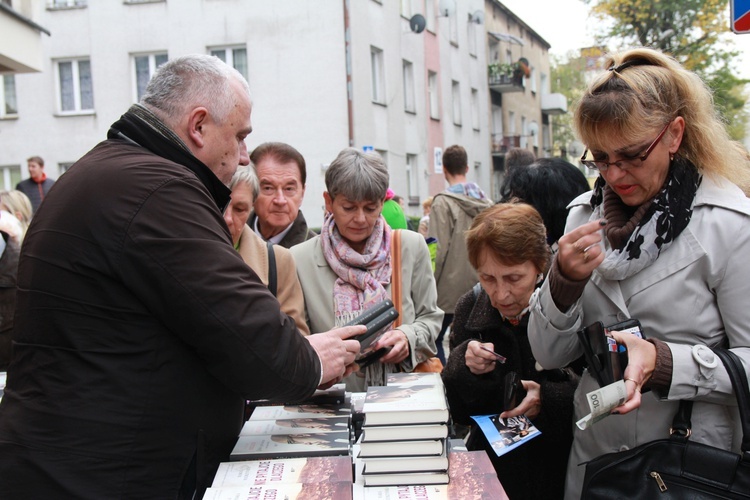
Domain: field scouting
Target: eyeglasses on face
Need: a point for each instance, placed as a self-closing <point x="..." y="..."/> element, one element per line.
<point x="625" y="163"/>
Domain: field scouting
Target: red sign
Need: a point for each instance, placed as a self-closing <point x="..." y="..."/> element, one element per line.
<point x="741" y="16"/>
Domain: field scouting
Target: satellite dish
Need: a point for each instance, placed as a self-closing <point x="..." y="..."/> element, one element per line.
<point x="417" y="23"/>
<point x="575" y="148"/>
<point x="533" y="128"/>
<point x="477" y="17"/>
<point x="447" y="7"/>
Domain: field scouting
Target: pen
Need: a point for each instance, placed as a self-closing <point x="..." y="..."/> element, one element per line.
<point x="500" y="359"/>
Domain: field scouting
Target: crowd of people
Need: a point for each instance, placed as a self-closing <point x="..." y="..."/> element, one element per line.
<point x="153" y="297"/>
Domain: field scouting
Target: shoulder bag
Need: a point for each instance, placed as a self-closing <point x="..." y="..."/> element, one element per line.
<point x="676" y="468"/>
<point x="429" y="365"/>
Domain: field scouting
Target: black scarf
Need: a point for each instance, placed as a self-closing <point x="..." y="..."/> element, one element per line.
<point x="138" y="125"/>
<point x="671" y="210"/>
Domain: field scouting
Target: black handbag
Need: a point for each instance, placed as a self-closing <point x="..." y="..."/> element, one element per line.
<point x="676" y="467"/>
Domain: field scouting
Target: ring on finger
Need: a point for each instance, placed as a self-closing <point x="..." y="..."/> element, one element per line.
<point x="578" y="248"/>
<point x="585" y="256"/>
<point x="634" y="382"/>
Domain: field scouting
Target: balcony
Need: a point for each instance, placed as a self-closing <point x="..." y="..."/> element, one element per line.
<point x="501" y="144"/>
<point x="505" y="77"/>
<point x="554" y="104"/>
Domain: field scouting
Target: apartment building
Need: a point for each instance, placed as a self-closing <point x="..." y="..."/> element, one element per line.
<point x="324" y="75"/>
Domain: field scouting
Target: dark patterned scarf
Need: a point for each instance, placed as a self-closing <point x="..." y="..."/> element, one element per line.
<point x="665" y="218"/>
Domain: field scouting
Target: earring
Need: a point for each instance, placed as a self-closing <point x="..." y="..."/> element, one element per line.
<point x="539" y="278"/>
<point x="671" y="156"/>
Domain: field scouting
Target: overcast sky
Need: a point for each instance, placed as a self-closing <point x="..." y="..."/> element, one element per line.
<point x="565" y="26"/>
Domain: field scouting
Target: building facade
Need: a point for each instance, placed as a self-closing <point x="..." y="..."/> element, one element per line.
<point x="324" y="75"/>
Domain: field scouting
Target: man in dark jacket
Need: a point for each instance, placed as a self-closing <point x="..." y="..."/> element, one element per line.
<point x="139" y="329"/>
<point x="38" y="184"/>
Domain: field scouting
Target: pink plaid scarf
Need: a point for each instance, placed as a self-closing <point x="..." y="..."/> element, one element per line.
<point x="362" y="277"/>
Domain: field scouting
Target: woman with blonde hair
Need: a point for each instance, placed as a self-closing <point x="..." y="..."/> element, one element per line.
<point x="662" y="238"/>
<point x="17" y="204"/>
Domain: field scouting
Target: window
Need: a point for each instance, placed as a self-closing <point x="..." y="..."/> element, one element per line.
<point x="512" y="122"/>
<point x="524" y="133"/>
<point x="532" y="77"/>
<point x="8" y="104"/>
<point x="453" y="24"/>
<point x="508" y="56"/>
<point x="66" y="4"/>
<point x="412" y="179"/>
<point x="429" y="14"/>
<point x="406" y="8"/>
<point x="75" y="89"/>
<point x="432" y="89"/>
<point x="378" y="78"/>
<point x="11" y="175"/>
<point x="145" y="65"/>
<point x="236" y="57"/>
<point x="471" y="36"/>
<point x="475" y="109"/>
<point x="409" y="100"/>
<point x="64" y="166"/>
<point x="456" y="95"/>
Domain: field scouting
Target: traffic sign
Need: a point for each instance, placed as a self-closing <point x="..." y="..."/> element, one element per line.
<point x="741" y="16"/>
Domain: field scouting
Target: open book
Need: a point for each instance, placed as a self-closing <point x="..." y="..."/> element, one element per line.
<point x="506" y="434"/>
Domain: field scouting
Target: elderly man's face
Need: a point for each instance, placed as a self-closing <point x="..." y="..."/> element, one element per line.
<point x="224" y="142"/>
<point x="238" y="210"/>
<point x="281" y="194"/>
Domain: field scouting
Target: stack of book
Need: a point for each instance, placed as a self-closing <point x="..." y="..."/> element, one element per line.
<point x="294" y="431"/>
<point x="471" y="476"/>
<point x="404" y="433"/>
<point x="292" y="478"/>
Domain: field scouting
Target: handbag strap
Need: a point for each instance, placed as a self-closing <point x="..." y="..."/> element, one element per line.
<point x="272" y="276"/>
<point x="738" y="376"/>
<point x="396" y="274"/>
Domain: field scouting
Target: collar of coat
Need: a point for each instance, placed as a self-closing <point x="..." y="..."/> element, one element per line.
<point x="141" y="127"/>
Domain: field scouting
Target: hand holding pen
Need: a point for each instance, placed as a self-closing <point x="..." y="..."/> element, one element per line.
<point x="481" y="357"/>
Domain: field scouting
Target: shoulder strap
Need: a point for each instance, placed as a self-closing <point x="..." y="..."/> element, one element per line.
<point x="737" y="374"/>
<point x="272" y="278"/>
<point x="396" y="274"/>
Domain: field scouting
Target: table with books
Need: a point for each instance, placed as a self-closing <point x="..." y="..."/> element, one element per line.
<point x="392" y="442"/>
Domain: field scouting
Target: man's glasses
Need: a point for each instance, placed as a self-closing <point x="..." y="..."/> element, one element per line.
<point x="625" y="163"/>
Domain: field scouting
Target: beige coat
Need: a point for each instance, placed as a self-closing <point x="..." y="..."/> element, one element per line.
<point x="695" y="294"/>
<point x="289" y="293"/>
<point x="450" y="217"/>
<point x="421" y="317"/>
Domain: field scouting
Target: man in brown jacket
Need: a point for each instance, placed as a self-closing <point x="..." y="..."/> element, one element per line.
<point x="139" y="330"/>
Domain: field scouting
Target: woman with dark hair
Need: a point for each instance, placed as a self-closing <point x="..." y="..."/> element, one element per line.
<point x="663" y="238"/>
<point x="547" y="184"/>
<point x="507" y="245"/>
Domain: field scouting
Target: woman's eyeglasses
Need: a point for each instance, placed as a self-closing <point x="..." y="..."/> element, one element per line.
<point x="626" y="163"/>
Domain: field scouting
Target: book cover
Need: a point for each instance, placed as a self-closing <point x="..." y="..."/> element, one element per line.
<point x="294" y="491"/>
<point x="404" y="432"/>
<point x="284" y="471"/>
<point x="433" y="447"/>
<point x="506" y="434"/>
<point x="277" y="412"/>
<point x="414" y="404"/>
<point x="307" y="425"/>
<point x="406" y="479"/>
<point x="290" y="445"/>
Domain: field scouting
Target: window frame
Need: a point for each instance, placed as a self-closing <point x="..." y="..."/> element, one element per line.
<point x="456" y="102"/>
<point x="152" y="66"/>
<point x="377" y="75"/>
<point x="4" y="113"/>
<point x="433" y="94"/>
<point x="230" y="56"/>
<point x="78" y="109"/>
<point x="410" y="96"/>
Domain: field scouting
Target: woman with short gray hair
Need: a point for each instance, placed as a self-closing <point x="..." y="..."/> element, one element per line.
<point x="348" y="268"/>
